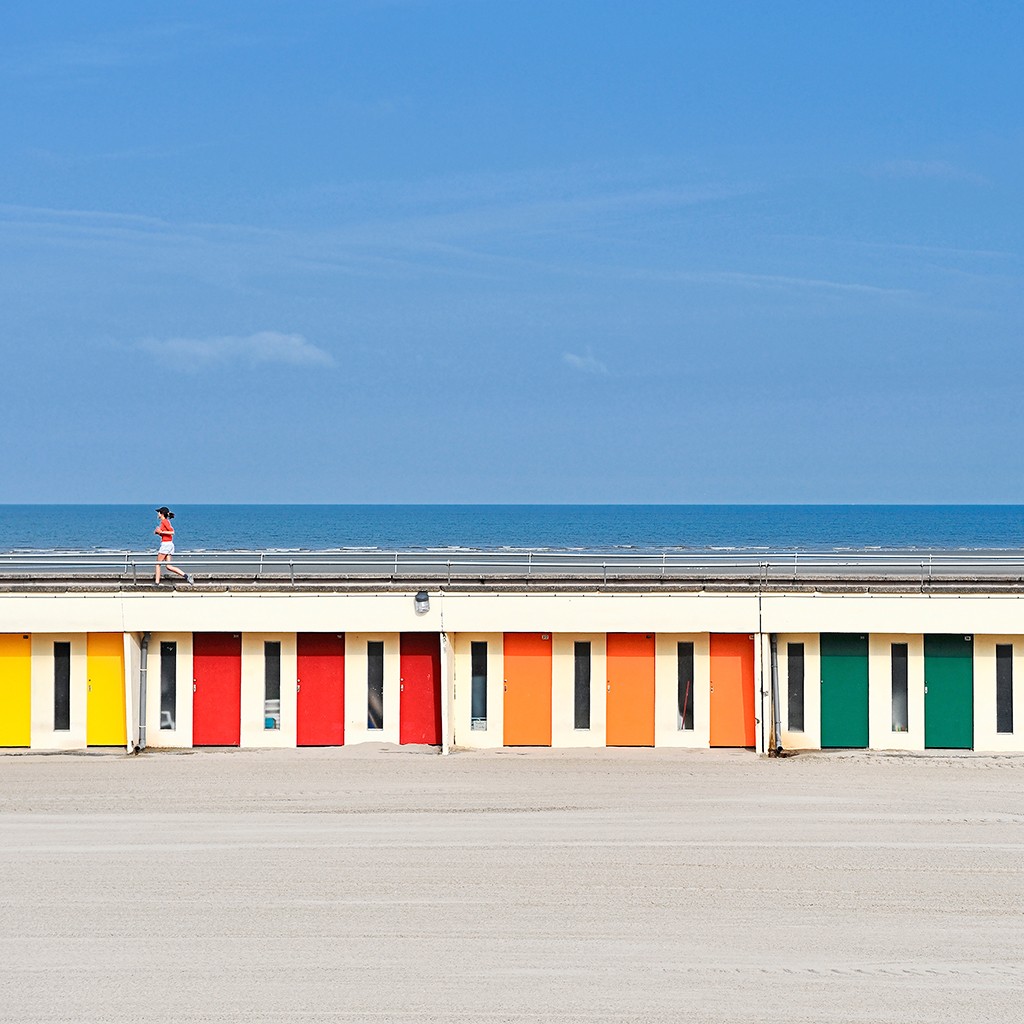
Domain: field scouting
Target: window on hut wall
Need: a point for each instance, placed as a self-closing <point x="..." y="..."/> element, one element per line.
<point x="581" y="685"/>
<point x="272" y="684"/>
<point x="795" y="689"/>
<point x="900" y="697"/>
<point x="61" y="686"/>
<point x="375" y="684"/>
<point x="684" y="686"/>
<point x="168" y="683"/>
<point x="1004" y="687"/>
<point x="478" y="684"/>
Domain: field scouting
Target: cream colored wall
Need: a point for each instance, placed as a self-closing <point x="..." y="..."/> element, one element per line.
<point x="880" y="734"/>
<point x="253" y="732"/>
<point x="179" y="611"/>
<point x="447" y="693"/>
<point x="132" y="664"/>
<point x="357" y="690"/>
<point x="269" y="612"/>
<point x="892" y="613"/>
<point x="762" y="693"/>
<point x="181" y="734"/>
<point x="44" y="737"/>
<point x="985" y="735"/>
<point x="600" y="613"/>
<point x="810" y="737"/>
<point x="666" y="689"/>
<point x="62" y="614"/>
<point x="563" y="691"/>
<point x="462" y="702"/>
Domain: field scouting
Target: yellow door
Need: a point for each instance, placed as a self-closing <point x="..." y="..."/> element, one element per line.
<point x="15" y="690"/>
<point x="104" y="713"/>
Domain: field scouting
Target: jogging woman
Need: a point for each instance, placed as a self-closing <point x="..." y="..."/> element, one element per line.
<point x="165" y="532"/>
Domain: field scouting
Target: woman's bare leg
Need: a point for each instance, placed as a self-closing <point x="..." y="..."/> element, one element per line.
<point x="172" y="568"/>
<point x="166" y="559"/>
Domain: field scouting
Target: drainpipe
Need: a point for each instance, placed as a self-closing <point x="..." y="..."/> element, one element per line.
<point x="776" y="714"/>
<point x="143" y="658"/>
<point x="447" y="672"/>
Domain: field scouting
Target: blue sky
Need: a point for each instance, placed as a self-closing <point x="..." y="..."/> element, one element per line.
<point x="486" y="251"/>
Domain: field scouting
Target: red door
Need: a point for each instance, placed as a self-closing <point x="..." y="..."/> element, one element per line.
<point x="320" y="711"/>
<point x="420" y="669"/>
<point x="216" y="689"/>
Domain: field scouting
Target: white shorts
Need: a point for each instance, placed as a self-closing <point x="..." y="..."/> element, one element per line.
<point x="167" y="547"/>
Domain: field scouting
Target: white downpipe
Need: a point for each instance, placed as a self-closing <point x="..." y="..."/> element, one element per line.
<point x="129" y="693"/>
<point x="776" y="711"/>
<point x="143" y="688"/>
<point x="447" y="692"/>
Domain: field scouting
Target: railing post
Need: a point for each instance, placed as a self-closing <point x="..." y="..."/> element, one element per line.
<point x="449" y="572"/>
<point x="529" y="563"/>
<point x="291" y="570"/>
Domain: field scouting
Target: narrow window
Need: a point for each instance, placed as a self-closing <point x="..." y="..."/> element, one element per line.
<point x="61" y="685"/>
<point x="684" y="686"/>
<point x="900" y="704"/>
<point x="375" y="684"/>
<point x="582" y="684"/>
<point x="168" y="683"/>
<point x="1004" y="687"/>
<point x="795" y="677"/>
<point x="478" y="683"/>
<point x="272" y="684"/>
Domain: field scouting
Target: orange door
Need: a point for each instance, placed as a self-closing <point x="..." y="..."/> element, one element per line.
<point x="630" y="690"/>
<point x="527" y="690"/>
<point x="732" y="690"/>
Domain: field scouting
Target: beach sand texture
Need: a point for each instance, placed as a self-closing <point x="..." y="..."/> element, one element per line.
<point x="386" y="884"/>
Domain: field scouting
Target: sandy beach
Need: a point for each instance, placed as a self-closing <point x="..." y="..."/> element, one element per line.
<point x="389" y="884"/>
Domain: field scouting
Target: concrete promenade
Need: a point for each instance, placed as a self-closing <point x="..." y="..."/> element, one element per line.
<point x="895" y="570"/>
<point x="388" y="884"/>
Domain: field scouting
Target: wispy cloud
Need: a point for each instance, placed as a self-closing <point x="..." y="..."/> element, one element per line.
<point x="98" y="52"/>
<point x="937" y="170"/>
<point x="463" y="226"/>
<point x="913" y="248"/>
<point x="262" y="347"/>
<point x="132" y="46"/>
<point x="57" y="158"/>
<point x="585" y="364"/>
<point x="742" y="279"/>
<point x="789" y="281"/>
<point x="468" y="243"/>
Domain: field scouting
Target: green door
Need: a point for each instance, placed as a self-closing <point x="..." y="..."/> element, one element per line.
<point x="844" y="690"/>
<point x="949" y="691"/>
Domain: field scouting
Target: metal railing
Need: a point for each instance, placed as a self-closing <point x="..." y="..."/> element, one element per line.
<point x="483" y="565"/>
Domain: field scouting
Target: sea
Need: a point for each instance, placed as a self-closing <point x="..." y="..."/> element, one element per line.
<point x="518" y="527"/>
